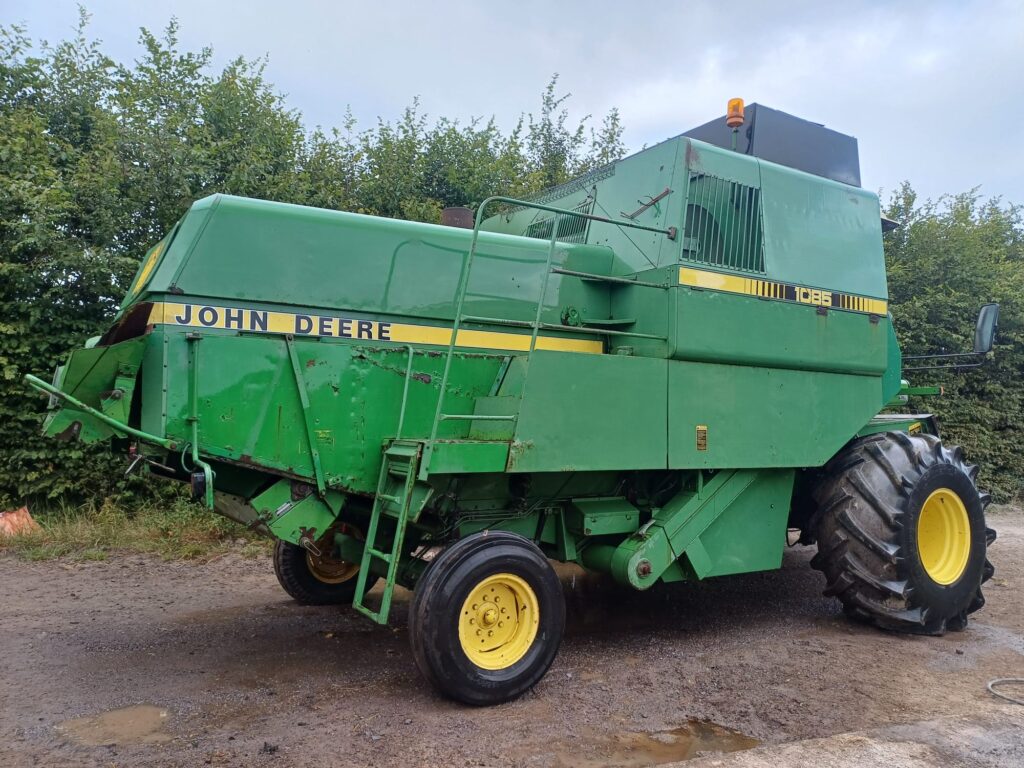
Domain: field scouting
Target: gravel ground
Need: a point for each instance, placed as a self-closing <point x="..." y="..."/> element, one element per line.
<point x="134" y="661"/>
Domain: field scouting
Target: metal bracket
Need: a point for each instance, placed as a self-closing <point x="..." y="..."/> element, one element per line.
<point x="300" y="384"/>
<point x="193" y="340"/>
<point x="651" y="201"/>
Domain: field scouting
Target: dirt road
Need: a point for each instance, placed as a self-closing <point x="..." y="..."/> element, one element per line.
<point x="137" y="662"/>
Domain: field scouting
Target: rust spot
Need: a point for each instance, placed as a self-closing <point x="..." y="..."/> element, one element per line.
<point x="424" y="377"/>
<point x="692" y="157"/>
<point x="516" y="450"/>
<point x="310" y="363"/>
<point x="301" y="490"/>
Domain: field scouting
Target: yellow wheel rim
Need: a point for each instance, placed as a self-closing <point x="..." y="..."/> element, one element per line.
<point x="330" y="571"/>
<point x="498" y="621"/>
<point x="944" y="536"/>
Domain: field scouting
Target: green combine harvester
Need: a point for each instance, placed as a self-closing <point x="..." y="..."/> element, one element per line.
<point x="655" y="371"/>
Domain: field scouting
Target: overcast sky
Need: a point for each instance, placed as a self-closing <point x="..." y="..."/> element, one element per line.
<point x="933" y="91"/>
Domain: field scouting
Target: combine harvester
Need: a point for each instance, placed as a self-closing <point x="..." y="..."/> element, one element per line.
<point x="653" y="371"/>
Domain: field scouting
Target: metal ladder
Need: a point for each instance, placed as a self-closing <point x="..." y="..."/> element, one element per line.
<point x="394" y="491"/>
<point x="535" y="325"/>
<point x="408" y="460"/>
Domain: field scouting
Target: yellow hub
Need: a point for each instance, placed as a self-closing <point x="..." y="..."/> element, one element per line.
<point x="944" y="536"/>
<point x="498" y="621"/>
<point x="330" y="571"/>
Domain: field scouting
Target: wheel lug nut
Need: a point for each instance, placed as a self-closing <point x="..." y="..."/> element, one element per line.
<point x="490" y="632"/>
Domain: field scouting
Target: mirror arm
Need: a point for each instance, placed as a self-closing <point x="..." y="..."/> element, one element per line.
<point x="955" y="366"/>
<point x="952" y="354"/>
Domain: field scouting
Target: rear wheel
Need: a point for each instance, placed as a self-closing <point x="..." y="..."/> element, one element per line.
<point x="487" y="618"/>
<point x="901" y="533"/>
<point x="314" y="579"/>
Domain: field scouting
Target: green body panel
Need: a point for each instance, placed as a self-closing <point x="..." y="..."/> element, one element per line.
<point x="749" y="535"/>
<point x="745" y="330"/>
<point x="92" y="376"/>
<point x="602" y="516"/>
<point x="707" y="529"/>
<point x="821" y="233"/>
<point x="250" y="410"/>
<point x="921" y="423"/>
<point x="763" y="417"/>
<point x="296" y="520"/>
<point x="590" y="412"/>
<point x="642" y="409"/>
<point x="244" y="252"/>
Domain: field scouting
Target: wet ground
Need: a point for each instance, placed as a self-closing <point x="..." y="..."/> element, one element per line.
<point x="134" y="661"/>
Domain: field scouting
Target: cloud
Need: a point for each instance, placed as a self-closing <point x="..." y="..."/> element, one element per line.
<point x="930" y="89"/>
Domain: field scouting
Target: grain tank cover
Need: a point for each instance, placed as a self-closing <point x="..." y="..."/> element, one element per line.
<point x="790" y="141"/>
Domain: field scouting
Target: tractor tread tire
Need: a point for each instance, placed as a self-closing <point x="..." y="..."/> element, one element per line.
<point x="867" y="505"/>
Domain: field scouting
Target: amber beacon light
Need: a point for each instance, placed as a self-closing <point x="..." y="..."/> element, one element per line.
<point x="734" y="113"/>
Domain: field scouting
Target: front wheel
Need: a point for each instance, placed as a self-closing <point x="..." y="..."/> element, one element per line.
<point x="487" y="618"/>
<point x="901" y="533"/>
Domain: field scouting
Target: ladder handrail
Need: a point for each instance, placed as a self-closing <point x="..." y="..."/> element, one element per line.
<point x="463" y="286"/>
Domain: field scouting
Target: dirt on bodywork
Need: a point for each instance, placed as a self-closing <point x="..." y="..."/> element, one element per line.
<point x="134" y="661"/>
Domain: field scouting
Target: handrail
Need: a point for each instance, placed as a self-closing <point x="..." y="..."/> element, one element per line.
<point x="609" y="278"/>
<point x="110" y="421"/>
<point x="536" y="325"/>
<point x="670" y="232"/>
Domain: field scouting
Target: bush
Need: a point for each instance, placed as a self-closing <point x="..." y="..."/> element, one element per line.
<point x="950" y="257"/>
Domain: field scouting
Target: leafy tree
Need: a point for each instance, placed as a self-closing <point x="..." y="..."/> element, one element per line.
<point x="98" y="159"/>
<point x="950" y="257"/>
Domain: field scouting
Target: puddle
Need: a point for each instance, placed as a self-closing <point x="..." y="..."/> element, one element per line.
<point x="639" y="750"/>
<point x="142" y="724"/>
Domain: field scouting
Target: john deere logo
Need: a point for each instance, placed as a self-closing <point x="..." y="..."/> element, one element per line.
<point x="259" y="320"/>
<point x="246" y="320"/>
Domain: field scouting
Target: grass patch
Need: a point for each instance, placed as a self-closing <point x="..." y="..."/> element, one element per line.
<point x="175" y="530"/>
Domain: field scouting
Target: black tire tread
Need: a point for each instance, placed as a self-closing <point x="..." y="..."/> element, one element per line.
<point x="861" y="509"/>
<point x="427" y="612"/>
<point x="293" y="575"/>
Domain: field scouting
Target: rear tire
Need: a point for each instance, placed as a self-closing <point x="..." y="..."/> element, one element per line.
<point x="901" y="533"/>
<point x="486" y="619"/>
<point x="314" y="581"/>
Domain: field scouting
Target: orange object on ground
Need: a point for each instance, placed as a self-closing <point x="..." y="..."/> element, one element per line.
<point x="17" y="521"/>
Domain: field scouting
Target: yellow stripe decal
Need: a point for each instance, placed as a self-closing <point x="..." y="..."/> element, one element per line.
<point x="154" y="256"/>
<point x="331" y="326"/>
<point x="770" y="289"/>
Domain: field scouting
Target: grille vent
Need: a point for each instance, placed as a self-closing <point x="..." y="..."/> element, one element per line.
<point x="723" y="225"/>
<point x="571" y="229"/>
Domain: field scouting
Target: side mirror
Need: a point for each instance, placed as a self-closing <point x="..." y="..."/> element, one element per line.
<point x="985" y="330"/>
<point x="984" y="338"/>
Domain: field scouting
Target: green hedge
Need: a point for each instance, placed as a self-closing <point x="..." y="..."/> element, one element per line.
<point x="949" y="258"/>
<point x="99" y="158"/>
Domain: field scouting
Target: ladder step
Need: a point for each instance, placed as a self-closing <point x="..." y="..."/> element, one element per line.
<point x="379" y="555"/>
<point x="496" y="321"/>
<point x="475" y="417"/>
<point x="389" y="497"/>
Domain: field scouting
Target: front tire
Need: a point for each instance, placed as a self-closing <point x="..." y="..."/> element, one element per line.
<point x="901" y="533"/>
<point x="487" y="618"/>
